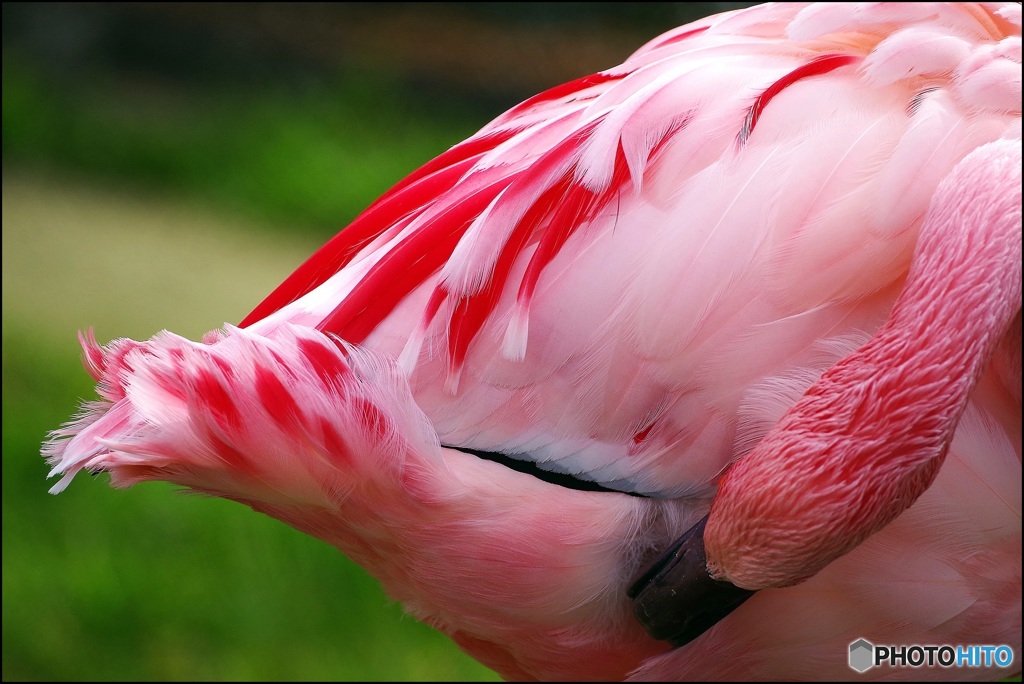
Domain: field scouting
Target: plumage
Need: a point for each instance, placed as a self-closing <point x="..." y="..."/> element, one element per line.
<point x="638" y="279"/>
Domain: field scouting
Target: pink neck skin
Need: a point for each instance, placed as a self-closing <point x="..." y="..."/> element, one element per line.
<point x="869" y="437"/>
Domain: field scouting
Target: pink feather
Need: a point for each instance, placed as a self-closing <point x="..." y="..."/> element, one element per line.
<point x="768" y="267"/>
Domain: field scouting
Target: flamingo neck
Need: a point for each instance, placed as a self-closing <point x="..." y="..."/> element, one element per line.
<point x="869" y="437"/>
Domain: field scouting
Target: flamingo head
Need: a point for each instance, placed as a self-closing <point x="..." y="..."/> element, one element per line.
<point x="868" y="438"/>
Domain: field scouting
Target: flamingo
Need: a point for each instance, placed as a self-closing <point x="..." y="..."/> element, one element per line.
<point x="703" y="366"/>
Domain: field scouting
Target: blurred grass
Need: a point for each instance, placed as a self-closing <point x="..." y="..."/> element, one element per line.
<point x="299" y="155"/>
<point x="147" y="584"/>
<point x="133" y="203"/>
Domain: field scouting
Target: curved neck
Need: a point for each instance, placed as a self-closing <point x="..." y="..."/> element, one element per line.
<point x="869" y="436"/>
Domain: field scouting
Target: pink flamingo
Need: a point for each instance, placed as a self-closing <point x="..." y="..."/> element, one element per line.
<point x="768" y="268"/>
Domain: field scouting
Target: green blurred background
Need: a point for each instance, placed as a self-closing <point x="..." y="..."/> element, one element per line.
<point x="165" y="166"/>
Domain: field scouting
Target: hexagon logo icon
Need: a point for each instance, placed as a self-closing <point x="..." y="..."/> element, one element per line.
<point x="862" y="655"/>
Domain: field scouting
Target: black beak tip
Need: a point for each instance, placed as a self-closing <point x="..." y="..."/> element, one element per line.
<point x="675" y="598"/>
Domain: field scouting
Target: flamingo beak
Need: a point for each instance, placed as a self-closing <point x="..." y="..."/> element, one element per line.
<point x="676" y="599"/>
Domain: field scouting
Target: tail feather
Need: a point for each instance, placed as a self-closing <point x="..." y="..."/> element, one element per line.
<point x="294" y="417"/>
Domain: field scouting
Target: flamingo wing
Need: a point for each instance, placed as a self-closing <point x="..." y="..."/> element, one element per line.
<point x="627" y="277"/>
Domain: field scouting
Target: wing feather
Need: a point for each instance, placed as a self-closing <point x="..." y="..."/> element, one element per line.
<point x="689" y="227"/>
